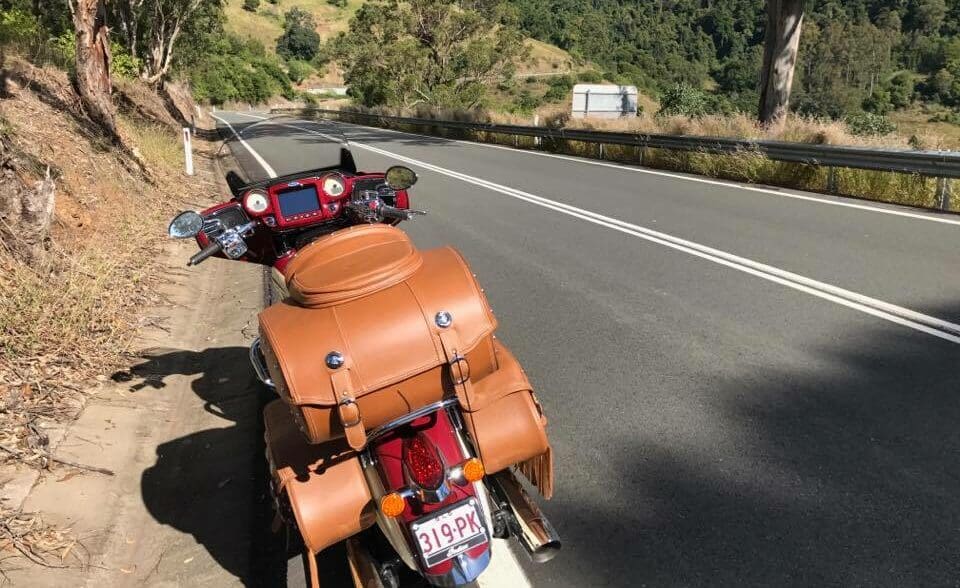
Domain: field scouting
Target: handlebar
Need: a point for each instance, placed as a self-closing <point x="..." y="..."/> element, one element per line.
<point x="212" y="249"/>
<point x="391" y="213"/>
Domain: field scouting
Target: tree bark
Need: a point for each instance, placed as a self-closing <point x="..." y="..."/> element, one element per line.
<point x="93" y="64"/>
<point x="782" y="41"/>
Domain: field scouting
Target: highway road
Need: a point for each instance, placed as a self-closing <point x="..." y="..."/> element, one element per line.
<point x="745" y="385"/>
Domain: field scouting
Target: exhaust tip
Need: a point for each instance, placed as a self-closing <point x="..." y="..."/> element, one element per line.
<point x="545" y="552"/>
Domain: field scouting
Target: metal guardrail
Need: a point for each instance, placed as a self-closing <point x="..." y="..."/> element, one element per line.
<point x="944" y="165"/>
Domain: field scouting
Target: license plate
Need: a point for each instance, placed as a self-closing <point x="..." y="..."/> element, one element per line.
<point x="448" y="533"/>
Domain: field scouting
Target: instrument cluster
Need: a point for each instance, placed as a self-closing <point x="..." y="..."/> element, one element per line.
<point x="310" y="201"/>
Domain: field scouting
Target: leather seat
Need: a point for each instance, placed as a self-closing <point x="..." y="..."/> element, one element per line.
<point x="350" y="264"/>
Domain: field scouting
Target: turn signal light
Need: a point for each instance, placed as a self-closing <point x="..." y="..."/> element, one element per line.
<point x="473" y="470"/>
<point x="392" y="505"/>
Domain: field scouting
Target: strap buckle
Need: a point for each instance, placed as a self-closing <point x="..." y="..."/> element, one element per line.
<point x="347" y="402"/>
<point x="463" y="367"/>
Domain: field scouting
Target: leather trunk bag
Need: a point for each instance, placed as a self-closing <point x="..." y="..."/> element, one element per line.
<point x="368" y="296"/>
<point x="324" y="484"/>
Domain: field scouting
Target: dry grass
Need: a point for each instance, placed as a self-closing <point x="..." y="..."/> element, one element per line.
<point x="68" y="318"/>
<point x="747" y="166"/>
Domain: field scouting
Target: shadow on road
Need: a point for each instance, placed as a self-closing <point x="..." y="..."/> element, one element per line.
<point x="846" y="477"/>
<point x="214" y="484"/>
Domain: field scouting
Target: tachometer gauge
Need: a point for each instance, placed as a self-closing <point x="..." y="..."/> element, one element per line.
<point x="256" y="201"/>
<point x="334" y="185"/>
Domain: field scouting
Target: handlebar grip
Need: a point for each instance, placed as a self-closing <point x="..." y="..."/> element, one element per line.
<point x="391" y="213"/>
<point x="211" y="249"/>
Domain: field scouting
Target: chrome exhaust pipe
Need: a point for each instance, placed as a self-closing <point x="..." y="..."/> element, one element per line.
<point x="527" y="524"/>
<point x="363" y="569"/>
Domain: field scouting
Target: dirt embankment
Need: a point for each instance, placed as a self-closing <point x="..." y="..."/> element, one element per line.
<point x="73" y="303"/>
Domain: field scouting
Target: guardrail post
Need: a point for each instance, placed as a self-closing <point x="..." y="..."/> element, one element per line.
<point x="943" y="193"/>
<point x="832" y="180"/>
<point x="601" y="150"/>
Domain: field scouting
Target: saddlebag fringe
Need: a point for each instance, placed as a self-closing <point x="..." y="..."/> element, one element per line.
<point x="539" y="470"/>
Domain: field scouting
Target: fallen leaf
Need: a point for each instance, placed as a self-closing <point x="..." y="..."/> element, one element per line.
<point x="68" y="476"/>
<point x="188" y="560"/>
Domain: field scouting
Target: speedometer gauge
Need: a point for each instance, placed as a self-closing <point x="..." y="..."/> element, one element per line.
<point x="256" y="201"/>
<point x="333" y="185"/>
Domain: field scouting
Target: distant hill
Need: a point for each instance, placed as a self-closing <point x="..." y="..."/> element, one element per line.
<point x="266" y="25"/>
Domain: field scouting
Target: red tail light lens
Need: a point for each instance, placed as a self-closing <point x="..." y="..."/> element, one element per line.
<point x="423" y="462"/>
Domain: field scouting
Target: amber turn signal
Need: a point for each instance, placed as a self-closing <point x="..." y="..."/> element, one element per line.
<point x="392" y="505"/>
<point x="473" y="470"/>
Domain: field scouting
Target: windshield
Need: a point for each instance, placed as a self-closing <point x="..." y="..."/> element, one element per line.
<point x="255" y="149"/>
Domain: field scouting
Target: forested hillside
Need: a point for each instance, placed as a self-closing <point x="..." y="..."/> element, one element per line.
<point x="876" y="55"/>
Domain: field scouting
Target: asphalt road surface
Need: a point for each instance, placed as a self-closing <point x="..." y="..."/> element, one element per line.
<point x="745" y="386"/>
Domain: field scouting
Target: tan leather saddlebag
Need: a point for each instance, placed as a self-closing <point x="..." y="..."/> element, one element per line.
<point x="507" y="424"/>
<point x="374" y="329"/>
<point x="323" y="485"/>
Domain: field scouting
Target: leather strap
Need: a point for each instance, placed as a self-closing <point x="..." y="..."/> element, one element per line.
<point x="348" y="409"/>
<point x="459" y="368"/>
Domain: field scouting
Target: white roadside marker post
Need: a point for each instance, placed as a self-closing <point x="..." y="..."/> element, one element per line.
<point x="188" y="150"/>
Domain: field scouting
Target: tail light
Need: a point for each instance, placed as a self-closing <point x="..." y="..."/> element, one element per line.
<point x="423" y="462"/>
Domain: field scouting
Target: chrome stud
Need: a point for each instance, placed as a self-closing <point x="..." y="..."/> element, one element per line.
<point x="443" y="319"/>
<point x="334" y="360"/>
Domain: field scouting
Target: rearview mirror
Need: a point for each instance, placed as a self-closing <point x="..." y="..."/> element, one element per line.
<point x="185" y="225"/>
<point x="399" y="177"/>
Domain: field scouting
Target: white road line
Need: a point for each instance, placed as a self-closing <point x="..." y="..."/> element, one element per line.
<point x="890" y="312"/>
<point x="642" y="170"/>
<point x="263" y="162"/>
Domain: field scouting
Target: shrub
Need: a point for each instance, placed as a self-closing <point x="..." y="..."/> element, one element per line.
<point x="559" y="90"/>
<point x="683" y="100"/>
<point x="878" y="102"/>
<point x="18" y="27"/>
<point x="866" y="124"/>
<point x="338" y="3"/>
<point x="300" y="39"/>
<point x="251" y="5"/>
<point x="299" y="70"/>
<point x="590" y="77"/>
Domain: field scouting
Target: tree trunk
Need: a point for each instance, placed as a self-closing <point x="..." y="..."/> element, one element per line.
<point x="784" y="20"/>
<point x="93" y="64"/>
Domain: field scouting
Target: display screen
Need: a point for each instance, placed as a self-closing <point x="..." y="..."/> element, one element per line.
<point x="299" y="201"/>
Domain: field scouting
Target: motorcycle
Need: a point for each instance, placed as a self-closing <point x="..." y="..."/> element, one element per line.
<point x="401" y="426"/>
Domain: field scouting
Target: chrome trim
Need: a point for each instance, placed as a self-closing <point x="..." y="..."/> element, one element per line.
<point x="407" y="418"/>
<point x="334" y="360"/>
<point x="258" y="366"/>
<point x="443" y="319"/>
<point x="390" y="527"/>
<point x="531" y="528"/>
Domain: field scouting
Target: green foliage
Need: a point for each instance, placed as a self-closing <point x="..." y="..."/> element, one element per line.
<point x="869" y="124"/>
<point x="560" y="88"/>
<point x="879" y="102"/>
<point x="683" y="100"/>
<point x="18" y="27"/>
<point x="251" y="5"/>
<point x="428" y="51"/>
<point x="238" y="70"/>
<point x="300" y="39"/>
<point x="847" y="49"/>
<point x="122" y="64"/>
<point x="589" y="77"/>
<point x="338" y="3"/>
<point x="298" y="70"/>
<point x="525" y="103"/>
<point x="951" y="117"/>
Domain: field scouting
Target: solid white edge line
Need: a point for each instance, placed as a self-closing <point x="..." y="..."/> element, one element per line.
<point x="896" y="314"/>
<point x="263" y="163"/>
<point x="643" y="170"/>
